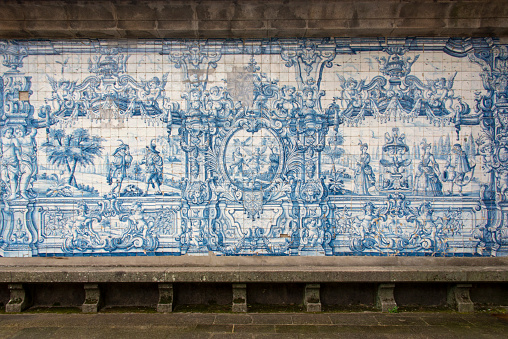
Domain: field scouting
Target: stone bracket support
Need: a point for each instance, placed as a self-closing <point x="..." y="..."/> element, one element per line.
<point x="93" y="299"/>
<point x="385" y="299"/>
<point x="458" y="298"/>
<point x="312" y="299"/>
<point x="239" y="298"/>
<point x="19" y="299"/>
<point x="165" y="304"/>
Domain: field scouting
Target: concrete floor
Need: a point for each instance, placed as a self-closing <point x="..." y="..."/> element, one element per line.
<point x="253" y="325"/>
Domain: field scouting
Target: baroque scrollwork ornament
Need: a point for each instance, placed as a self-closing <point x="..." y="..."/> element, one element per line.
<point x="267" y="147"/>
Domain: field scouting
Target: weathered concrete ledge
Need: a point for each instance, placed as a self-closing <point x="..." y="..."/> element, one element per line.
<point x="212" y="260"/>
<point x="252" y="269"/>
<point x="158" y="281"/>
<point x="21" y="19"/>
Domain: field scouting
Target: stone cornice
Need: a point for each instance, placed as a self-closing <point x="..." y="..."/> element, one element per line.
<point x="251" y="19"/>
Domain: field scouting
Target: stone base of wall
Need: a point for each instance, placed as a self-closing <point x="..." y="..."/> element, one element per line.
<point x="254" y="284"/>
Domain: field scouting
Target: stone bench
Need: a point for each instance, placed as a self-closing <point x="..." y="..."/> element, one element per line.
<point x="385" y="273"/>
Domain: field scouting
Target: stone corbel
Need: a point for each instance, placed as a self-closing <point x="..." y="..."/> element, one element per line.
<point x="239" y="298"/>
<point x="19" y="299"/>
<point x="458" y="298"/>
<point x="385" y="299"/>
<point x="93" y="299"/>
<point x="312" y="299"/>
<point x="165" y="304"/>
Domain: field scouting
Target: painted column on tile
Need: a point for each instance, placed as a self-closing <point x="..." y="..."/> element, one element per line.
<point x="19" y="155"/>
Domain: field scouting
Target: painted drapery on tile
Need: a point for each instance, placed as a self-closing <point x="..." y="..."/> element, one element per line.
<point x="254" y="147"/>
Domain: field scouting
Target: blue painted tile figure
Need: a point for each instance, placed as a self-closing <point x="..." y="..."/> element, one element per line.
<point x="81" y="230"/>
<point x="138" y="223"/>
<point x="458" y="168"/>
<point x="154" y="168"/>
<point x="367" y="224"/>
<point x="10" y="163"/>
<point x="358" y="146"/>
<point x="427" y="180"/>
<point x="364" y="175"/>
<point x="27" y="148"/>
<point x="122" y="160"/>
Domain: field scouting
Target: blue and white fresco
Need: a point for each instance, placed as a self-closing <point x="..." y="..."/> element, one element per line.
<point x="254" y="147"/>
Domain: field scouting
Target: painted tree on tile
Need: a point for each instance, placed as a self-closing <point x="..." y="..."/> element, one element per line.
<point x="71" y="150"/>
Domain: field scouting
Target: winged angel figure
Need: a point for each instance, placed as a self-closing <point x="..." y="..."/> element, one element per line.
<point x="356" y="99"/>
<point x="152" y="93"/>
<point x="351" y="95"/>
<point x="440" y="92"/>
<point x="63" y="97"/>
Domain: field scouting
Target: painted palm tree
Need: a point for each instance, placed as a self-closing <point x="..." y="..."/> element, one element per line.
<point x="70" y="150"/>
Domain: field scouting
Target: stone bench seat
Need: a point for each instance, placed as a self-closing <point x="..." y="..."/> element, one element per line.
<point x="386" y="272"/>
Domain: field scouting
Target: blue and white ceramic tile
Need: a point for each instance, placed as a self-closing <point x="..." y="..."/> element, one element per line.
<point x="254" y="147"/>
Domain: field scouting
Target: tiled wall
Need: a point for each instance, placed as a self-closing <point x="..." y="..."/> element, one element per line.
<point x="254" y="147"/>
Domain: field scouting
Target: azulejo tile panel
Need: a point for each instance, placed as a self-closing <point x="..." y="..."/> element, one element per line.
<point x="254" y="147"/>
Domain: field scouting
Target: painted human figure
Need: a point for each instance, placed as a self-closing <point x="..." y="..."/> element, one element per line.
<point x="364" y="177"/>
<point x="257" y="160"/>
<point x="274" y="164"/>
<point x="10" y="155"/>
<point x="195" y="233"/>
<point x="139" y="224"/>
<point x="237" y="167"/>
<point x="351" y="95"/>
<point x="63" y="95"/>
<point x="427" y="177"/>
<point x="154" y="167"/>
<point x="427" y="225"/>
<point x="310" y="169"/>
<point x="27" y="159"/>
<point x="457" y="167"/>
<point x="311" y="232"/>
<point x="365" y="225"/>
<point x="153" y="91"/>
<point x="308" y="112"/>
<point x="118" y="168"/>
<point x="441" y="93"/>
<point x="195" y="105"/>
<point x="81" y="225"/>
<point x="195" y="122"/>
<point x="288" y="103"/>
